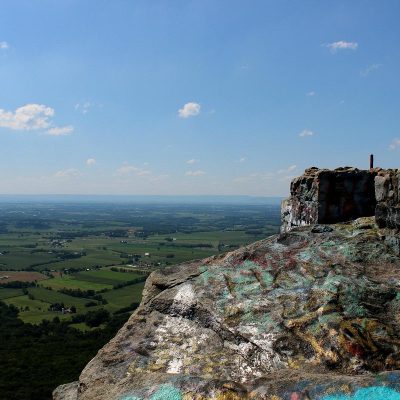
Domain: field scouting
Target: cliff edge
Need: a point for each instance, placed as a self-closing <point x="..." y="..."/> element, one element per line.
<point x="313" y="313"/>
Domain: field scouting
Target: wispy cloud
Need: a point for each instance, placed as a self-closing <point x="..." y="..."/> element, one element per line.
<point x="310" y="94"/>
<point x="255" y="176"/>
<point x="306" y="133"/>
<point x="288" y="169"/>
<point x="4" y="46"/>
<point x="395" y="144"/>
<point x="60" y="131"/>
<point x="373" y="67"/>
<point x="242" y="159"/>
<point x="90" y="161"/>
<point x="127" y="169"/>
<point x="32" y="117"/>
<point x="189" y="110"/>
<point x="192" y="161"/>
<point x="195" y="173"/>
<point x="83" y="107"/>
<point x="67" y="173"/>
<point x="159" y="178"/>
<point x="341" y="45"/>
<point x="280" y="175"/>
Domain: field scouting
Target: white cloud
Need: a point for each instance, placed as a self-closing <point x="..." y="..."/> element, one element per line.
<point x="373" y="67"/>
<point x="242" y="159"/>
<point x="60" y="131"/>
<point x="127" y="169"/>
<point x="90" y="161"/>
<point x="28" y="117"/>
<point x="4" y="46"/>
<point x="192" y="161"/>
<point x="195" y="173"/>
<point x="306" y="133"/>
<point x="67" y="173"/>
<point x="189" y="110"/>
<point x="32" y="117"/>
<point x="342" y="45"/>
<point x="395" y="144"/>
<point x="311" y="94"/>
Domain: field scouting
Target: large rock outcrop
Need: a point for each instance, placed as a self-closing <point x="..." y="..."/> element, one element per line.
<point x="322" y="196"/>
<point x="298" y="316"/>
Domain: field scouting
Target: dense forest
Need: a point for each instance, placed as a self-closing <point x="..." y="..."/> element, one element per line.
<point x="37" y="358"/>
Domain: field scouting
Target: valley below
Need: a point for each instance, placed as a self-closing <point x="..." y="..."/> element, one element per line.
<point x="71" y="275"/>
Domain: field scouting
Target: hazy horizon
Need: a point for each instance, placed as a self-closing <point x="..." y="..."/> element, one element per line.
<point x="141" y="199"/>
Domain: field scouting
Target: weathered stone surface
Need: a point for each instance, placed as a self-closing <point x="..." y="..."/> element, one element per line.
<point x="301" y="315"/>
<point x="66" y="392"/>
<point x="387" y="192"/>
<point x="322" y="196"/>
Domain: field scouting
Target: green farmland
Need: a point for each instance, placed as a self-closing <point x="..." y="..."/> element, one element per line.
<point x="35" y="308"/>
<point x="70" y="282"/>
<point x="72" y="274"/>
<point x="123" y="297"/>
<point x="7" y="293"/>
<point x="106" y="276"/>
<point x="95" y="257"/>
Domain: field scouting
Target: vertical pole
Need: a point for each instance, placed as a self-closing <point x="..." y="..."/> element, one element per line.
<point x="371" y="161"/>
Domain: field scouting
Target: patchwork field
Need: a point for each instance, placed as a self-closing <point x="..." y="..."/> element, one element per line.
<point x="22" y="276"/>
<point x="123" y="297"/>
<point x="35" y="305"/>
<point x="85" y="258"/>
<point x="71" y="282"/>
<point x="6" y="293"/>
<point x="52" y="296"/>
<point x="106" y="276"/>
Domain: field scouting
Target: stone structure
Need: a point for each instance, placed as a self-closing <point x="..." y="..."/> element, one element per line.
<point x="323" y="196"/>
<point x="387" y="191"/>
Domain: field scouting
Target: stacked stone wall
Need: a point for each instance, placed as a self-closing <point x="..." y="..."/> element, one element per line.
<point x="387" y="193"/>
<point x="322" y="196"/>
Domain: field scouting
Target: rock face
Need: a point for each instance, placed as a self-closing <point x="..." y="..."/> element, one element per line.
<point x="322" y="196"/>
<point x="387" y="190"/>
<point x="298" y="316"/>
<point x="66" y="392"/>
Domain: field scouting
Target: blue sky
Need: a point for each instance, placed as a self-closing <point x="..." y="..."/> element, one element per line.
<point x="193" y="97"/>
